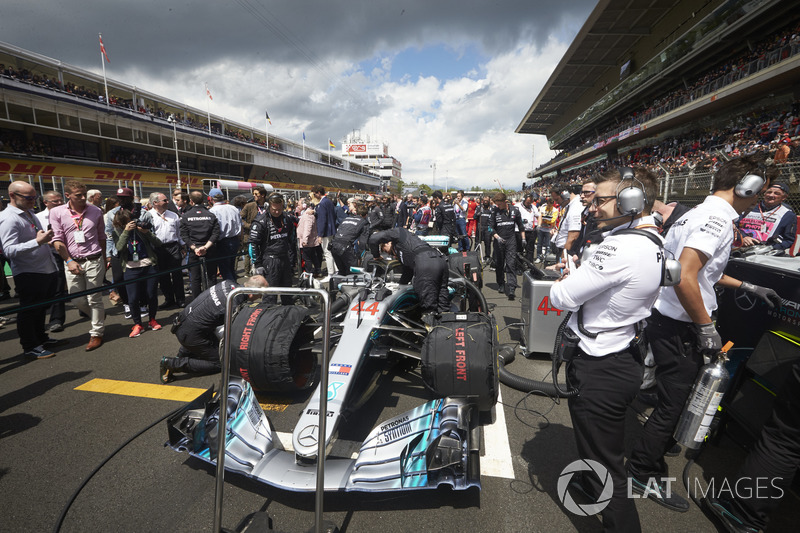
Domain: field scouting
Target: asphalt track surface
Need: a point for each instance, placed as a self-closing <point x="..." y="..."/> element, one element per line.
<point x="53" y="434"/>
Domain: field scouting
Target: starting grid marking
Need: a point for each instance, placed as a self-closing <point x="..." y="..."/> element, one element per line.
<point x="158" y="392"/>
<point x="496" y="462"/>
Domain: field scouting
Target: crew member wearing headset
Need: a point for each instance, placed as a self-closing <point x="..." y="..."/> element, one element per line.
<point x="426" y="264"/>
<point x="610" y="295"/>
<point x="680" y="330"/>
<point x="273" y="243"/>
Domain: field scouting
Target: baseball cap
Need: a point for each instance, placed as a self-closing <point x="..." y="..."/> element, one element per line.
<point x="781" y="186"/>
<point x="216" y="193"/>
<point x="124" y="191"/>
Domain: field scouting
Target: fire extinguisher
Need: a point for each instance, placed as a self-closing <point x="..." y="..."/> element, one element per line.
<point x="702" y="404"/>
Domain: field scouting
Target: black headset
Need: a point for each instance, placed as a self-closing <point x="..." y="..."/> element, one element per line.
<point x="750" y="185"/>
<point x="274" y="198"/>
<point x="630" y="200"/>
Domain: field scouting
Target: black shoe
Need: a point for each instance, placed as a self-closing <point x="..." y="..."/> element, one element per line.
<point x="501" y="289"/>
<point x="725" y="512"/>
<point x="167" y="305"/>
<point x="674" y="451"/>
<point x="165" y="370"/>
<point x="4" y="295"/>
<point x="656" y="490"/>
<point x="181" y="304"/>
<point x="511" y="297"/>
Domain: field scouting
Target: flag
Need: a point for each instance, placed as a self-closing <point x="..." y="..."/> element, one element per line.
<point x="103" y="49"/>
<point x="209" y="93"/>
<point x="304" y="136"/>
<point x="330" y="144"/>
<point x="268" y="120"/>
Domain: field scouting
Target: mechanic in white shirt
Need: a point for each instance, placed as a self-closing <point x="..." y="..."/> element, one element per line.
<point x="610" y="295"/>
<point x="167" y="227"/>
<point x="680" y="330"/>
<point x="530" y="216"/>
<point x="230" y="230"/>
<point x="570" y="227"/>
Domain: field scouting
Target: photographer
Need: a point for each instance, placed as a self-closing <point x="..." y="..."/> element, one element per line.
<point x="136" y="246"/>
<point x="609" y="296"/>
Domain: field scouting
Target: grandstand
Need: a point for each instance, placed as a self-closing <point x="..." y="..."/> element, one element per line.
<point x="55" y="124"/>
<point x="676" y="86"/>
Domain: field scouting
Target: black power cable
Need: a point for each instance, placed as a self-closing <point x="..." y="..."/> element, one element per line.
<point x="74" y="496"/>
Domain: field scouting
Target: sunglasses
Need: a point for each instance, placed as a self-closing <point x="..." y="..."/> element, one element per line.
<point x="29" y="198"/>
<point x="586" y="193"/>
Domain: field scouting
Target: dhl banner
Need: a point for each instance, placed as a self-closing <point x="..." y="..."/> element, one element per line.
<point x="21" y="169"/>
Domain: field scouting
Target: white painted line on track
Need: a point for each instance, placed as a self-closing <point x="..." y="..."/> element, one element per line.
<point x="497" y="461"/>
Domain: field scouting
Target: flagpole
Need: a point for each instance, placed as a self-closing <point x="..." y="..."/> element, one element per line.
<point x="208" y="109"/>
<point x="266" y="130"/>
<point x="103" y="64"/>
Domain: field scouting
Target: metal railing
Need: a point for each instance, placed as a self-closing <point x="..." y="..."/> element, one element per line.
<point x="690" y="188"/>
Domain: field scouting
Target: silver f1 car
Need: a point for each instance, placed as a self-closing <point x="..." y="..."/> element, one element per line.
<point x="377" y="322"/>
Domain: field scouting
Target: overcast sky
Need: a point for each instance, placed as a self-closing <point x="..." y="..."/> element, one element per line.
<point x="438" y="81"/>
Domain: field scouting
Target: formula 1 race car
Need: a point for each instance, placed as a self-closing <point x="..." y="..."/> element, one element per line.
<point x="375" y="323"/>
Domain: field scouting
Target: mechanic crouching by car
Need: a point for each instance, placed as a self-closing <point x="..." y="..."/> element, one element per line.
<point x="427" y="266"/>
<point x="609" y="296"/>
<point x="273" y="245"/>
<point x="195" y="327"/>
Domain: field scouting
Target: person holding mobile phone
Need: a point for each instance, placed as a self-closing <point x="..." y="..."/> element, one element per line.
<point x="58" y="313"/>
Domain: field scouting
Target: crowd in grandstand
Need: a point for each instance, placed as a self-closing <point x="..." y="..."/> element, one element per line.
<point x="776" y="47"/>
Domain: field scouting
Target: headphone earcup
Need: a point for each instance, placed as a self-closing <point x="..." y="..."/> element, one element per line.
<point x="630" y="201"/>
<point x="750" y="185"/>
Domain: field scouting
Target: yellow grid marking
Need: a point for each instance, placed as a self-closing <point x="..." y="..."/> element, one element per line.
<point x="161" y="392"/>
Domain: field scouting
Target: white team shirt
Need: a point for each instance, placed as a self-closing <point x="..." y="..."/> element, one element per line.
<point x="617" y="287"/>
<point x="572" y="222"/>
<point x="230" y="221"/>
<point x="529" y="218"/>
<point x="167" y="227"/>
<point x="707" y="228"/>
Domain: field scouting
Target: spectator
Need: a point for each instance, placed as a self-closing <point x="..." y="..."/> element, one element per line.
<point x="547" y="218"/>
<point x="58" y="313"/>
<point x="167" y="228"/>
<point x="124" y="200"/>
<point x="136" y="246"/>
<point x="80" y="239"/>
<point x="309" y="241"/>
<point x="230" y="229"/>
<point x="326" y="224"/>
<point x="770" y="221"/>
<point x="249" y="214"/>
<point x="95" y="198"/>
<point x="35" y="273"/>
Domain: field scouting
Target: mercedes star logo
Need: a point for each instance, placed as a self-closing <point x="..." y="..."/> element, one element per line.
<point x="308" y="436"/>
